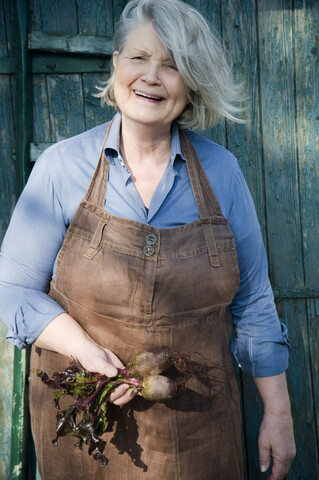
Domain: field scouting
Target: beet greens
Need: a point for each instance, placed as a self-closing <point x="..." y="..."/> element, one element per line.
<point x="86" y="419"/>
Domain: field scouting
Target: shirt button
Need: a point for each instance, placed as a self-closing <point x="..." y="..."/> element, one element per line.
<point x="151" y="239"/>
<point x="148" y="250"/>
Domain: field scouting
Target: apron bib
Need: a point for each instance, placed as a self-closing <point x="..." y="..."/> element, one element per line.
<point x="132" y="287"/>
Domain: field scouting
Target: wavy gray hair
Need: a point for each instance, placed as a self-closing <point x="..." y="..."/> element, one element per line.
<point x="200" y="58"/>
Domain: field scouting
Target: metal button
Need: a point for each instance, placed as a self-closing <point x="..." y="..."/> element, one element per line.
<point x="151" y="239"/>
<point x="148" y="250"/>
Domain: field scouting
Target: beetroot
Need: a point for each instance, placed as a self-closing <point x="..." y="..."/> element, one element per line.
<point x="150" y="362"/>
<point x="86" y="418"/>
<point x="158" y="387"/>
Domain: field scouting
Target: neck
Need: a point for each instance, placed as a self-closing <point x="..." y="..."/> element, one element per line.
<point x="144" y="143"/>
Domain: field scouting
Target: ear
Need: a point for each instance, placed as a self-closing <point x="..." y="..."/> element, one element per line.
<point x="115" y="55"/>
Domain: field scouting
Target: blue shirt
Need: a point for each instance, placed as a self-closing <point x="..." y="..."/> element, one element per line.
<point x="56" y="186"/>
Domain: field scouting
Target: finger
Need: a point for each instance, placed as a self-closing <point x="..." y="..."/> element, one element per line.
<point x="264" y="457"/>
<point x="122" y="395"/>
<point x="105" y="368"/>
<point x="280" y="469"/>
<point x="114" y="359"/>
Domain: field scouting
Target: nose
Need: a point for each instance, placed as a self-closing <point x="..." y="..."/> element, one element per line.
<point x="152" y="73"/>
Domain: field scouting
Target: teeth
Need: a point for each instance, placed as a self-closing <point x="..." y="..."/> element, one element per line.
<point x="147" y="96"/>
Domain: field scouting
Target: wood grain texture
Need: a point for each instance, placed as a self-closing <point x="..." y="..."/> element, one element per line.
<point x="306" y="44"/>
<point x="274" y="45"/>
<point x="7" y="200"/>
<point x="277" y="76"/>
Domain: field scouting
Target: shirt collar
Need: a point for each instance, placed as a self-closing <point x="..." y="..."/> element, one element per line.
<point x="112" y="147"/>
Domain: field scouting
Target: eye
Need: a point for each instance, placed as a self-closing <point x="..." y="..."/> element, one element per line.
<point x="171" y="66"/>
<point x="139" y="58"/>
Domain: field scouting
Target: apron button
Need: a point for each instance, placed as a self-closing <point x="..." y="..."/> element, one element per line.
<point x="151" y="239"/>
<point x="148" y="250"/>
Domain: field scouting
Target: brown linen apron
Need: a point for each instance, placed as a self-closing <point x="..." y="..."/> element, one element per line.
<point x="131" y="287"/>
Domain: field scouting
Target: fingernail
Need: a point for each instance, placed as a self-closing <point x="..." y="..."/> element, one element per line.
<point x="263" y="468"/>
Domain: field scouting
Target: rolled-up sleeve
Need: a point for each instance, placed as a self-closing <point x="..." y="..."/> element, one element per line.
<point x="27" y="256"/>
<point x="261" y="346"/>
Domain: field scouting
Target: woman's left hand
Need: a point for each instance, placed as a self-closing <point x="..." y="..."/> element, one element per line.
<point x="276" y="440"/>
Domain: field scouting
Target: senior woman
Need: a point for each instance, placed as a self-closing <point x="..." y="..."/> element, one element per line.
<point x="150" y="238"/>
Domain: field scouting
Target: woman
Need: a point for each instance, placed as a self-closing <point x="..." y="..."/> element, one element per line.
<point x="141" y="254"/>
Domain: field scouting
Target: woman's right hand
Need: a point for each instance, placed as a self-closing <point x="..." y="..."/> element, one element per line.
<point x="66" y="336"/>
<point x="95" y="358"/>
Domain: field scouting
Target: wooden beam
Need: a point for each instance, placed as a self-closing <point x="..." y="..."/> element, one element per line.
<point x="70" y="43"/>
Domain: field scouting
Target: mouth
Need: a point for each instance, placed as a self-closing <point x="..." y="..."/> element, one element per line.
<point x="148" y="96"/>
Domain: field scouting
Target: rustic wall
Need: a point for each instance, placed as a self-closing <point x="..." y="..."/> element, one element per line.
<point x="275" y="47"/>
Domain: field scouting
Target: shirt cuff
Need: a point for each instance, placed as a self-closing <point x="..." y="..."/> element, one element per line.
<point x="262" y="357"/>
<point x="31" y="320"/>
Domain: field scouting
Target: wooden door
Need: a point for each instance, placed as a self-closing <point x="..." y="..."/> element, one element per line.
<point x="52" y="55"/>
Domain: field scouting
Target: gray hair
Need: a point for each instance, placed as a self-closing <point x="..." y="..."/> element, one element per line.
<point x="200" y="57"/>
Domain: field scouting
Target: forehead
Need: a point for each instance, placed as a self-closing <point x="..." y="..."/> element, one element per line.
<point x="144" y="38"/>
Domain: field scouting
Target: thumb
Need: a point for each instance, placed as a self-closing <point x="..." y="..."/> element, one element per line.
<point x="108" y="369"/>
<point x="264" y="456"/>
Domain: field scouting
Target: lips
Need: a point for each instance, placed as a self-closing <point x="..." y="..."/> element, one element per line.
<point x="147" y="95"/>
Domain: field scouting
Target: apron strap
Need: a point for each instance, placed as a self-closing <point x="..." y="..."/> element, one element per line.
<point x="205" y="197"/>
<point x="206" y="201"/>
<point x="95" y="193"/>
<point x="95" y="244"/>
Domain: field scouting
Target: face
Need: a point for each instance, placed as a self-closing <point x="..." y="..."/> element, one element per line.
<point x="148" y="88"/>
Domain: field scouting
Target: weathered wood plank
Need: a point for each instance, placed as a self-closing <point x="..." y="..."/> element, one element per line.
<point x="212" y="14"/>
<point x="94" y="113"/>
<point x="57" y="64"/>
<point x="54" y="63"/>
<point x="307" y="127"/>
<point x="7" y="65"/>
<point x="7" y="200"/>
<point x="118" y="6"/>
<point x="97" y="20"/>
<point x="6" y="379"/>
<point x="68" y="43"/>
<point x="240" y="34"/>
<point x="66" y="109"/>
<point x="7" y="178"/>
<point x="275" y="27"/>
<point x="54" y="16"/>
<point x="41" y="118"/>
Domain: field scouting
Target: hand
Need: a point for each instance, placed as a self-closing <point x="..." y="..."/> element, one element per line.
<point x="95" y="358"/>
<point x="276" y="439"/>
<point x="66" y="336"/>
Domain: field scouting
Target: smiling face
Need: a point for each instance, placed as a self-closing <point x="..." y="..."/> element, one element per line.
<point x="148" y="88"/>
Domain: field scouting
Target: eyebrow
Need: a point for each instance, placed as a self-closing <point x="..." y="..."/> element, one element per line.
<point x="141" y="51"/>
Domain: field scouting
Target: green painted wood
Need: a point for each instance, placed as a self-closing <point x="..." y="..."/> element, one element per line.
<point x="57" y="64"/>
<point x="65" y="64"/>
<point x="277" y="75"/>
<point x="22" y="77"/>
<point x="239" y="27"/>
<point x="6" y="380"/>
<point x="98" y="20"/>
<point x="20" y="459"/>
<point x="54" y="15"/>
<point x="244" y="141"/>
<point x="68" y="43"/>
<point x="212" y="13"/>
<point x="306" y="43"/>
<point x="41" y="114"/>
<point x="7" y="65"/>
<point x="7" y="200"/>
<point x="65" y="96"/>
<point x="94" y="114"/>
<point x="274" y="45"/>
